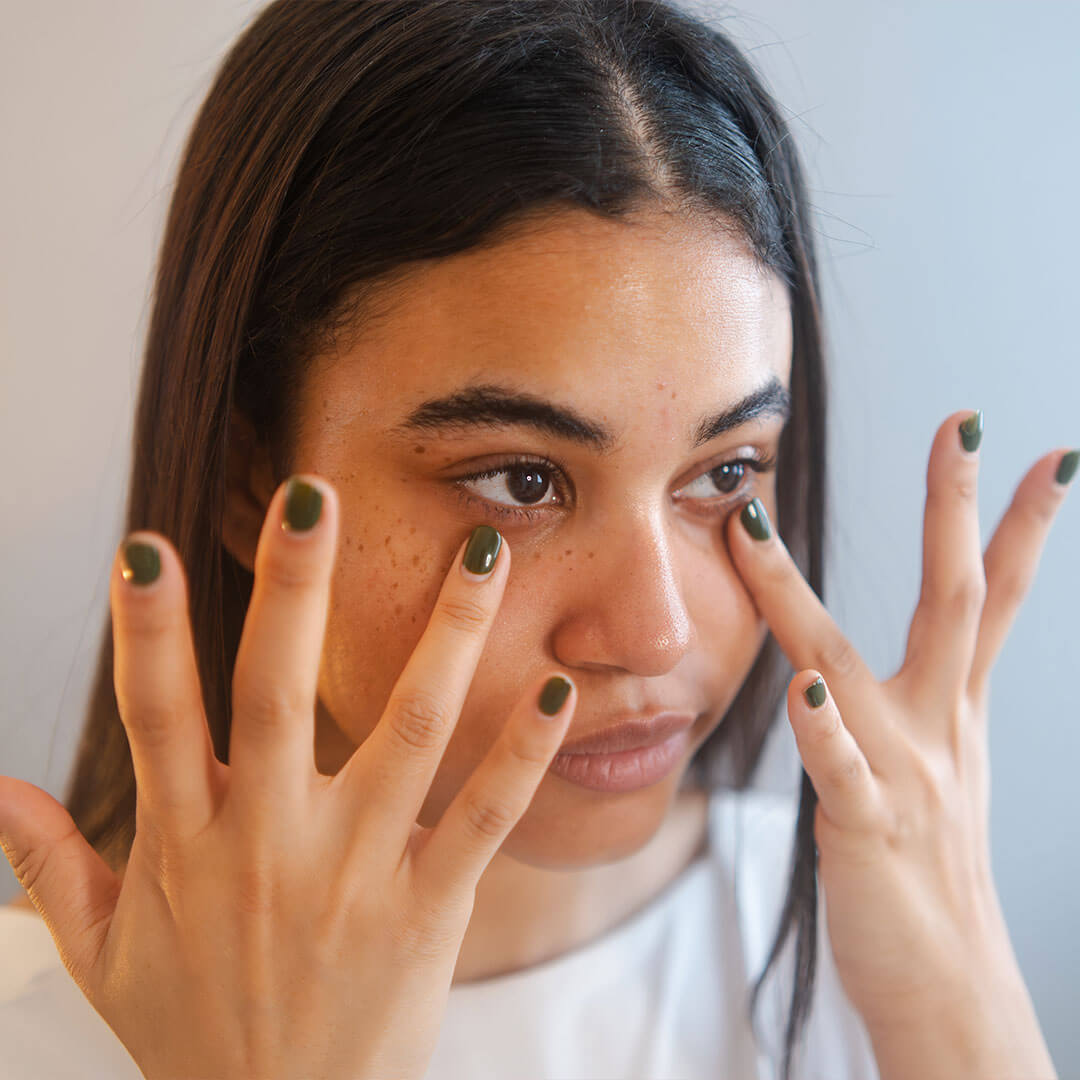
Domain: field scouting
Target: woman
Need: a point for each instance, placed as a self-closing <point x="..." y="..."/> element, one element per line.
<point x="483" y="410"/>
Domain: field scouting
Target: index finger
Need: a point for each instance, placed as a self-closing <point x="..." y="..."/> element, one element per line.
<point x="398" y="761"/>
<point x="804" y="630"/>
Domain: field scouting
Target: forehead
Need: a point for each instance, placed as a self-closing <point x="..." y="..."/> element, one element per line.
<point x="580" y="308"/>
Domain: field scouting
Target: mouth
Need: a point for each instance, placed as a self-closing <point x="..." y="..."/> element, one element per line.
<point x="636" y="733"/>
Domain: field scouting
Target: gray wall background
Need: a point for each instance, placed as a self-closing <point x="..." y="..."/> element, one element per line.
<point x="941" y="144"/>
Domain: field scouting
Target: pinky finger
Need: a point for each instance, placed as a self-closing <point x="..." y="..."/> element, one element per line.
<point x="838" y="769"/>
<point x="493" y="799"/>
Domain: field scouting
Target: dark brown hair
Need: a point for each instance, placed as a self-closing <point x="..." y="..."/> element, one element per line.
<point x="344" y="139"/>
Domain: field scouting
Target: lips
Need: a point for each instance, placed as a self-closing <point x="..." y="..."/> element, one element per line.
<point x="635" y="734"/>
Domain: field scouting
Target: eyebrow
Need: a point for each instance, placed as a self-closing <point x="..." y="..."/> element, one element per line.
<point x="495" y="406"/>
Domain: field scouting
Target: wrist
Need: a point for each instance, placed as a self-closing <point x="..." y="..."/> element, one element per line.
<point x="985" y="1029"/>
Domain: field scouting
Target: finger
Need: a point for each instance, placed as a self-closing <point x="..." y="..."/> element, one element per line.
<point x="67" y="881"/>
<point x="497" y="794"/>
<point x="275" y="679"/>
<point x="157" y="686"/>
<point x="843" y="780"/>
<point x="1013" y="554"/>
<point x="804" y="630"/>
<point x="393" y="768"/>
<point x="941" y="639"/>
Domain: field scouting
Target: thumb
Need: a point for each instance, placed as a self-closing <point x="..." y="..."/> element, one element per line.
<point x="69" y="883"/>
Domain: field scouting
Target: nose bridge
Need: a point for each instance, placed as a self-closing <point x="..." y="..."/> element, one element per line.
<point x="633" y="614"/>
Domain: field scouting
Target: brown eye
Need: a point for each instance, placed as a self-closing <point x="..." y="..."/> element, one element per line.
<point x="527" y="483"/>
<point x="728" y="477"/>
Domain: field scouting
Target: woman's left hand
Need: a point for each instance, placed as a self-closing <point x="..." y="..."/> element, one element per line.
<point x="901" y="772"/>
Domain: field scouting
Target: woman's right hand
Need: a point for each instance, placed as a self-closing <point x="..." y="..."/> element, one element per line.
<point x="273" y="922"/>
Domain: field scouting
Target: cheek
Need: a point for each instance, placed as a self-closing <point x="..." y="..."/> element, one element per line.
<point x="385" y="584"/>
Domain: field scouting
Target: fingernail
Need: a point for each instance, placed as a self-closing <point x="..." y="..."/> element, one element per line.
<point x="553" y="696"/>
<point x="482" y="550"/>
<point x="755" y="520"/>
<point x="303" y="505"/>
<point x="971" y="431"/>
<point x="1066" y="469"/>
<point x="140" y="562"/>
<point x="815" y="693"/>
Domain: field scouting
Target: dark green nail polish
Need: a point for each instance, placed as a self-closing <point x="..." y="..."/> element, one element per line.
<point x="815" y="693"/>
<point x="482" y="550"/>
<point x="1066" y="469"/>
<point x="553" y="696"/>
<point x="971" y="431"/>
<point x="755" y="520"/>
<point x="141" y="563"/>
<point x="303" y="505"/>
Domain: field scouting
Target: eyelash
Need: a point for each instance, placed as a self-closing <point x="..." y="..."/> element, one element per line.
<point x="757" y="462"/>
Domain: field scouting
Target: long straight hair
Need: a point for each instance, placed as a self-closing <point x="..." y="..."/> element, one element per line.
<point x="342" y="140"/>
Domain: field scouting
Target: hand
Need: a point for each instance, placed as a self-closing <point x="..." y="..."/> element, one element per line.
<point x="901" y="767"/>
<point x="274" y="922"/>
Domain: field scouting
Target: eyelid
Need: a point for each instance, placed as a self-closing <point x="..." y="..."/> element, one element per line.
<point x="757" y="459"/>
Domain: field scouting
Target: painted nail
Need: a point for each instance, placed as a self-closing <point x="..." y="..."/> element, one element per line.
<point x="140" y="562"/>
<point x="755" y="520"/>
<point x="553" y="696"/>
<point x="1066" y="469"/>
<point x="303" y="505"/>
<point x="815" y="693"/>
<point x="482" y="550"/>
<point x="971" y="431"/>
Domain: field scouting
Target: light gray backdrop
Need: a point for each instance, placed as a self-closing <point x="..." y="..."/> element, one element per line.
<point x="941" y="143"/>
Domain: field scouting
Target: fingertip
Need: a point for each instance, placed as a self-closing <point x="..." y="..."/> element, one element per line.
<point x="556" y="696"/>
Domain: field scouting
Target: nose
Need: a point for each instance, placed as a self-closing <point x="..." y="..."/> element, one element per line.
<point x="628" y="613"/>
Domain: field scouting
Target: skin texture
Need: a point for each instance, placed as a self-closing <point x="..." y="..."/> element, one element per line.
<point x="624" y="586"/>
<point x="607" y="584"/>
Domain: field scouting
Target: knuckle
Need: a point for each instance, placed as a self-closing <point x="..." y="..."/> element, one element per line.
<point x="966" y="596"/>
<point x="153" y="722"/>
<point x="1041" y="512"/>
<point x="34" y="865"/>
<point x="487" y="817"/>
<point x="1012" y="586"/>
<point x="824" y="731"/>
<point x="463" y="614"/>
<point x="846" y="774"/>
<point x="838" y="657"/>
<point x="149" y="617"/>
<point x="965" y="486"/>
<point x="526" y="751"/>
<point x="286" y="571"/>
<point x="268" y="704"/>
<point x="419" y="720"/>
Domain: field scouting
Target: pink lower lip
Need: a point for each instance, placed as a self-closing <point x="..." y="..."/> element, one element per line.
<point x="627" y="770"/>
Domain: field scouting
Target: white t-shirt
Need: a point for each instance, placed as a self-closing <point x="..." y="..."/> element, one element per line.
<point x="663" y="995"/>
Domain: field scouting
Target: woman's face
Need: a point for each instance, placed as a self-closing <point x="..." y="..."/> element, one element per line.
<point x="569" y="387"/>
